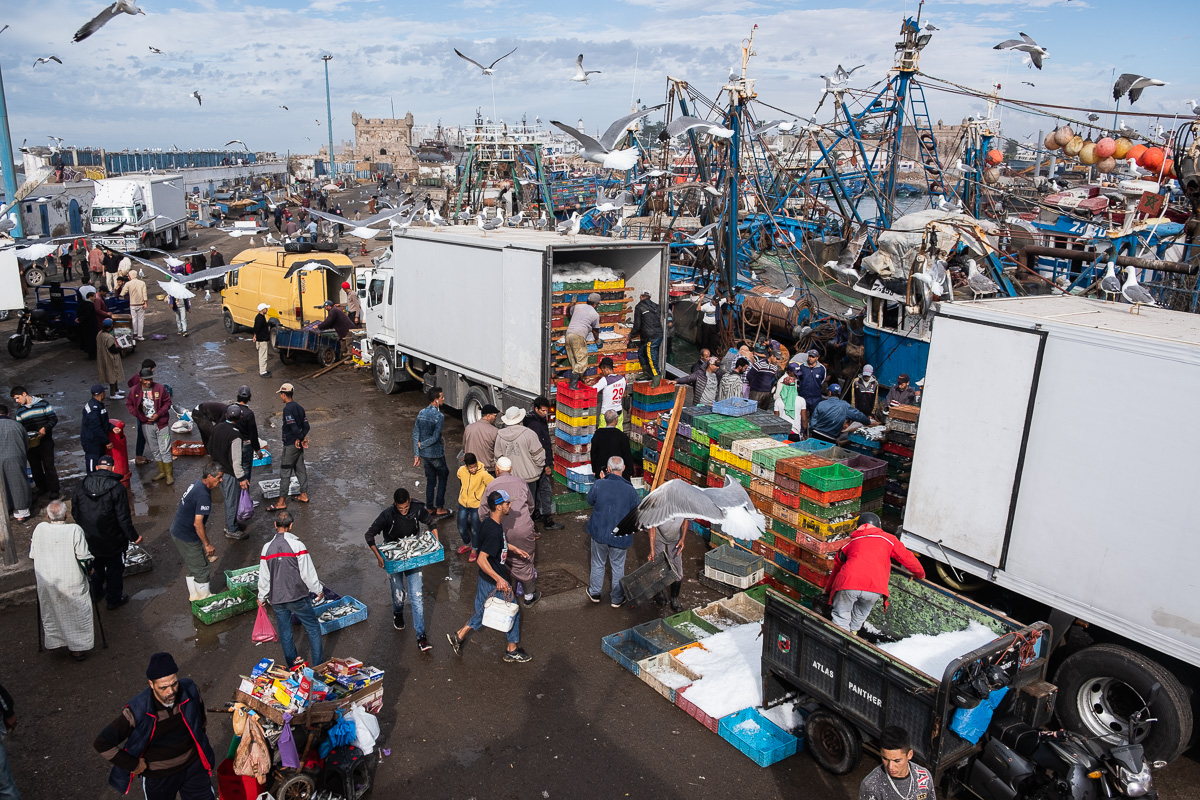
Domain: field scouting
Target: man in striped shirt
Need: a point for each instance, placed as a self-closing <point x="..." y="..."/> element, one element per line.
<point x="39" y="420"/>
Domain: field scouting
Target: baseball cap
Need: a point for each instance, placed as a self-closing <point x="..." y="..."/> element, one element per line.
<point x="146" y="372"/>
<point x="285" y="387"/>
<point x="327" y="304"/>
<point x="835" y="389"/>
<point x="108" y="323"/>
<point x="497" y="497"/>
<point x="106" y="461"/>
<point x="902" y="377"/>
<point x="813" y="353"/>
<point x="263" y="306"/>
<point x="98" y="388"/>
<point x="594" y="297"/>
<point x="488" y="408"/>
<point x="868" y="370"/>
<point x="645" y="294"/>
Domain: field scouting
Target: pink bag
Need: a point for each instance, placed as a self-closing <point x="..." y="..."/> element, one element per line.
<point x="264" y="629"/>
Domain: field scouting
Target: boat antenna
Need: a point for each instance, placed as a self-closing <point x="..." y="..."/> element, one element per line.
<point x="633" y="91"/>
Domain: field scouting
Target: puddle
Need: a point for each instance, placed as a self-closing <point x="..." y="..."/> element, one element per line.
<point x="147" y="594"/>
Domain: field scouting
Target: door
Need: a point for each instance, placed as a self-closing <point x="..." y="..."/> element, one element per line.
<point x="44" y="214"/>
<point x="377" y="309"/>
<point x="74" y="220"/>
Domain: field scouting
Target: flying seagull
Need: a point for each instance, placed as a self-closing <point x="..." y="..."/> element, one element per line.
<point x="617" y="201"/>
<point x="580" y="73"/>
<point x="100" y="20"/>
<point x="1110" y="284"/>
<point x="155" y="50"/>
<point x="317" y="121"/>
<point x="47" y="59"/>
<point x="285" y="108"/>
<point x="600" y="151"/>
<point x="2" y="30"/>
<point x="1026" y="44"/>
<point x="1133" y="84"/>
<point x="682" y="125"/>
<point x="196" y="94"/>
<point x="1135" y="293"/>
<point x="676" y="501"/>
<point x="1027" y="83"/>
<point x="489" y="69"/>
<point x="767" y="127"/>
<point x="237" y="141"/>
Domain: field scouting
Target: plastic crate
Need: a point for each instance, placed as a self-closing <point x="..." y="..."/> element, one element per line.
<point x="581" y="421"/>
<point x="905" y="413"/>
<point x="821" y="580"/>
<point x="692" y="626"/>
<point x="787" y="484"/>
<point x="763" y="488"/>
<point x="179" y="448"/>
<point x="822" y="546"/>
<point x="787" y="562"/>
<point x="769" y="456"/>
<point x="794" y="467"/>
<point x="658" y="634"/>
<point x="758" y="594"/>
<point x="693" y="711"/>
<point x="898" y="450"/>
<point x="247" y="602"/>
<point x="647" y="666"/>
<point x="902" y="439"/>
<point x="735" y="407"/>
<point x="764" y="742"/>
<point x="790" y="516"/>
<point x="901" y="426"/>
<point x="145" y="564"/>
<point x="786" y="498"/>
<point x="721" y="617"/>
<point x="359" y="614"/>
<point x="744" y="607"/>
<point x="627" y="649"/>
<point x="746" y="448"/>
<point x="405" y="564"/>
<point x="727" y="439"/>
<point x="582" y="394"/>
<point x="783" y="530"/>
<point x="649" y="579"/>
<point x="832" y="478"/>
<point x="238" y="578"/>
<point x="870" y="467"/>
<point x="732" y="561"/>
<point x="834" y="511"/>
<point x="264" y="459"/>
<point x="872" y="505"/>
<point x="736" y="581"/>
<point x="816" y="561"/>
<point x="813" y="446"/>
<point x="702" y="422"/>
<point x="827" y="530"/>
<point x="817" y="497"/>
<point x="566" y="429"/>
<point x="560" y="432"/>
<point x="763" y="504"/>
<point x="648" y="389"/>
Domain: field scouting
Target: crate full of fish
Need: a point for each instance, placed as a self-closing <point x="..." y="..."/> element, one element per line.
<point x="412" y="552"/>
<point x="341" y="613"/>
<point x="137" y="560"/>
<point x="228" y="603"/>
<point x="270" y="487"/>
<point x="243" y="577"/>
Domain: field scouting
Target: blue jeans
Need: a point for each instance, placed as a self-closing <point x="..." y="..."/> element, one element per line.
<point x="614" y="556"/>
<point x="8" y="787"/>
<point x="483" y="591"/>
<point x="303" y="611"/>
<point x="409" y="583"/>
<point x="542" y="498"/>
<point x="436" y="472"/>
<point x="468" y="526"/>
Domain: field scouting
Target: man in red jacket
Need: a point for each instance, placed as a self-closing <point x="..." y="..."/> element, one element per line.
<point x="861" y="571"/>
<point x="150" y="405"/>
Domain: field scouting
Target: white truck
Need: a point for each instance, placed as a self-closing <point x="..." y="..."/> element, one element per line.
<point x="136" y="211"/>
<point x="471" y="312"/>
<point x="1029" y="474"/>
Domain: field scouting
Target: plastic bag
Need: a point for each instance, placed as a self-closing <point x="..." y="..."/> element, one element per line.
<point x="264" y="629"/>
<point x="253" y="755"/>
<point x="245" y="509"/>
<point x="286" y="745"/>
<point x="971" y="723"/>
<point x="340" y="733"/>
<point x="366" y="728"/>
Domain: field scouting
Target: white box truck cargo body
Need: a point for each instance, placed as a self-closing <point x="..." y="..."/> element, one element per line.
<point x="1056" y="457"/>
<point x="133" y="212"/>
<point x="470" y="312"/>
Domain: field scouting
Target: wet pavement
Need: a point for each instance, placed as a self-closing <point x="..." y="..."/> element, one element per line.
<point x="571" y="723"/>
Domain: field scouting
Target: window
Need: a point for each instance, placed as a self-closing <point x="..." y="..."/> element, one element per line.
<point x="382" y="151"/>
<point x="375" y="292"/>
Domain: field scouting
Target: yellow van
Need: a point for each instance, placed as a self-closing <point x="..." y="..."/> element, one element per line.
<point x="294" y="301"/>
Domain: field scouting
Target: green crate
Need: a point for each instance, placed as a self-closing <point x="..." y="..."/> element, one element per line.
<point x="781" y="528"/>
<point x="704" y="422"/>
<point x="700" y="449"/>
<point x="831" y="478"/>
<point x="232" y="575"/>
<point x="768" y="457"/>
<point x="248" y="603"/>
<point x="727" y="439"/>
<point x="693" y="626"/>
<point x="568" y="502"/>
<point x="874" y="494"/>
<point x="830" y="512"/>
<point x="730" y="424"/>
<point x="757" y="593"/>
<point x="769" y="537"/>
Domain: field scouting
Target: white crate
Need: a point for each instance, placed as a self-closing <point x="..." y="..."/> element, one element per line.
<point x="737" y="581"/>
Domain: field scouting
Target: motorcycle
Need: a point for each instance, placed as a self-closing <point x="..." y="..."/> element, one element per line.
<point x="1019" y="762"/>
<point x="33" y="325"/>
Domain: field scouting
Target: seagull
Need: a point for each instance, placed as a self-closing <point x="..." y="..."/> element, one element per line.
<point x="285" y="108"/>
<point x="490" y="68"/>
<point x="196" y="94"/>
<point x="47" y="59"/>
<point x="2" y="30"/>
<point x="617" y="201"/>
<point x="237" y="141"/>
<point x="1133" y="84"/>
<point x="849" y="272"/>
<point x="57" y="139"/>
<point x="682" y="125"/>
<point x="1195" y="107"/>
<point x="569" y="226"/>
<point x="979" y="283"/>
<point x="100" y="20"/>
<point x="1110" y="284"/>
<point x="516" y="220"/>
<point x="434" y="218"/>
<point x="676" y="501"/>
<point x="931" y="27"/>
<point x="1135" y="294"/>
<point x="492" y="224"/>
<point x="766" y="128"/>
<point x="1027" y="83"/>
<point x="600" y="151"/>
<point x="841" y="77"/>
<point x="700" y="237"/>
<point x="317" y="121"/>
<point x="580" y="73"/>
<point x="1093" y="117"/>
<point x="542" y="222"/>
<point x="155" y="50"/>
<point x="1026" y="44"/>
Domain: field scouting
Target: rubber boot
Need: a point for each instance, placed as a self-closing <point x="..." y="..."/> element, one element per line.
<point x="162" y="471"/>
<point x="193" y="592"/>
<point x="675" y="604"/>
<point x="574" y="382"/>
<point x="202" y="591"/>
<point x="660" y="598"/>
<point x="169" y="466"/>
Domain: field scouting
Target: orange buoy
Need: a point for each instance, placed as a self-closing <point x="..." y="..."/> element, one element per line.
<point x="1135" y="153"/>
<point x="1123" y="145"/>
<point x="1105" y="148"/>
<point x="994" y="157"/>
<point x="1152" y="159"/>
<point x="1073" y="147"/>
<point x="1168" y="168"/>
<point x="1050" y="142"/>
<point x="1064" y="135"/>
<point x="1106" y="165"/>
<point x="1087" y="153"/>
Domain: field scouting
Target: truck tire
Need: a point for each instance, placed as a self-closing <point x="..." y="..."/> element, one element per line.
<point x="174" y="239"/>
<point x="20" y="346"/>
<point x="384" y="371"/>
<point x="35" y="276"/>
<point x="472" y="409"/>
<point x="834" y="743"/>
<point x="326" y="355"/>
<point x="287" y="357"/>
<point x="1100" y="686"/>
<point x="231" y="327"/>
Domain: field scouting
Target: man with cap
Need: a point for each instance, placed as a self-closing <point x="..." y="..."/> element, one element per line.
<point x="647" y="325"/>
<point x="494" y="576"/>
<point x="248" y="425"/>
<point x="336" y="320"/>
<point x="864" y="391"/>
<point x="295" y="442"/>
<point x="189" y="531"/>
<point x="108" y="359"/>
<point x="402" y="519"/>
<point x="761" y="377"/>
<point x="353" y="306"/>
<point x="585" y="321"/>
<point x="164" y="731"/>
<point x="479" y="438"/>
<point x="861" y="570"/>
<point x="519" y="528"/>
<point x="94" y="427"/>
<point x="834" y="415"/>
<point x="135" y="290"/>
<point x="225" y="449"/>
<point x="429" y="450"/>
<point x="810" y="381"/>
<point x="262" y="339"/>
<point x="902" y="394"/>
<point x="150" y="404"/>
<point x="100" y="505"/>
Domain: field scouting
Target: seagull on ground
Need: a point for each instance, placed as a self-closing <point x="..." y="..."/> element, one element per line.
<point x="542" y="222"/>
<point x="515" y="220"/>
<point x="100" y="20"/>
<point x="47" y="59"/>
<point x="196" y="94"/>
<point x="1110" y="284"/>
<point x="490" y="68"/>
<point x="1133" y="85"/>
<point x="237" y="141"/>
<point x="580" y="75"/>
<point x="977" y="282"/>
<point x="1135" y="294"/>
<point x="682" y="125"/>
<point x="600" y="151"/>
<point x="484" y="224"/>
<point x="1026" y="44"/>
<point x="569" y="226"/>
<point x="617" y="201"/>
<point x="677" y="501"/>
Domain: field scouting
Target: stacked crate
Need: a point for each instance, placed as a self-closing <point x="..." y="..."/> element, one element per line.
<point x="897" y="451"/>
<point x="648" y="402"/>
<point x="616" y="311"/>
<point x="574" y="426"/>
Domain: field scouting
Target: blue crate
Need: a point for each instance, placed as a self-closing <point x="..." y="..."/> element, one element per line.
<point x="342" y="622"/>
<point x="265" y="461"/>
<point x="811" y="446"/>
<point x="582" y="438"/>
<point x="766" y="745"/>
<point x="790" y="564"/>
<point x="666" y="405"/>
<point x="684" y="430"/>
<point x="405" y="564"/>
<point x="657" y="633"/>
<point x="735" y="407"/>
<point x="627" y="649"/>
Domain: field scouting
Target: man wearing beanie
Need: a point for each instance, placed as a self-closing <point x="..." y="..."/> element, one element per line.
<point x="166" y="746"/>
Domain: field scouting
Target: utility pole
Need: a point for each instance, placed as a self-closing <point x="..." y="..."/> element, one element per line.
<point x="6" y="165"/>
<point x="329" y="114"/>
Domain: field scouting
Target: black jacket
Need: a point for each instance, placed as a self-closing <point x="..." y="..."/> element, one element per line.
<point x="94" y="426"/>
<point x="262" y="330"/>
<point x="647" y="322"/>
<point x="609" y="442"/>
<point x="395" y="526"/>
<point x="542" y="428"/>
<point x="220" y="447"/>
<point x="100" y="506"/>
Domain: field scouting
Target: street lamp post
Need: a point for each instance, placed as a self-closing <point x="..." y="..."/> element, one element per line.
<point x="329" y="115"/>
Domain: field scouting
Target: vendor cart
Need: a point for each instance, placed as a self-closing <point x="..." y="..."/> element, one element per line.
<point x="322" y="344"/>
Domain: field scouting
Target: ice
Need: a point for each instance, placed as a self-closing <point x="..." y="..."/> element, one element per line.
<point x="692" y="629"/>
<point x="730" y="664"/>
<point x="584" y="271"/>
<point x="785" y="716"/>
<point x="747" y="726"/>
<point x="670" y="678"/>
<point x="931" y="654"/>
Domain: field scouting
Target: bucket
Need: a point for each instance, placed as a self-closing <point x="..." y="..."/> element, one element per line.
<point x="499" y="614"/>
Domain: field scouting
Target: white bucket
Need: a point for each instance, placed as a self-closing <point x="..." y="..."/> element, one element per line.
<point x="499" y="614"/>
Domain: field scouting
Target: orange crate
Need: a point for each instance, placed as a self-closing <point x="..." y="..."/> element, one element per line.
<point x="828" y="498"/>
<point x="786" y="498"/>
<point x="181" y="448"/>
<point x="792" y="467"/>
<point x="763" y="488"/>
<point x="763" y="504"/>
<point x="905" y="413"/>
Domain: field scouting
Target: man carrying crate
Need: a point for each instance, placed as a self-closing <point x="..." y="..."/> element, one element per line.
<point x="404" y="518"/>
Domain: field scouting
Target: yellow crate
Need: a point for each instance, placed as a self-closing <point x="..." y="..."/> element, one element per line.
<point x="575" y="422"/>
<point x="629" y="366"/>
<point x="741" y="463"/>
<point x="822" y="529"/>
<point x="603" y="285"/>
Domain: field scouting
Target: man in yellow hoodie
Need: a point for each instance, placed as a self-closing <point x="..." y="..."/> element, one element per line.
<point x="474" y="480"/>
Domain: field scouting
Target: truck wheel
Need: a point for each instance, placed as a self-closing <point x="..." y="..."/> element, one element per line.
<point x="472" y="408"/>
<point x="326" y="355"/>
<point x="384" y="371"/>
<point x="35" y="276"/>
<point x="174" y="239"/>
<point x="287" y="357"/>
<point x="231" y="327"/>
<point x="20" y="346"/>
<point x="1100" y="686"/>
<point x="833" y="742"/>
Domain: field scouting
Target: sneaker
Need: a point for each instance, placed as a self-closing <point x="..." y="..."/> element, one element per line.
<point x="423" y="644"/>
<point x="550" y="525"/>
<point x="536" y="596"/>
<point x="455" y="643"/>
<point x="118" y="396"/>
<point x="466" y="548"/>
<point x="618" y="605"/>
<point x="517" y="656"/>
<point x="237" y="535"/>
<point x="398" y="620"/>
<point x="264" y="374"/>
<point x="595" y="598"/>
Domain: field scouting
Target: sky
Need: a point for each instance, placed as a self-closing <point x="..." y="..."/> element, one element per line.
<point x="246" y="59"/>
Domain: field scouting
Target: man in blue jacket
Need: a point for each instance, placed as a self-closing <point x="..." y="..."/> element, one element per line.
<point x="94" y="427"/>
<point x="429" y="447"/>
<point x="611" y="498"/>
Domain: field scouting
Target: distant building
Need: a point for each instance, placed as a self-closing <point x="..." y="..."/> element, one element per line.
<point x="385" y="141"/>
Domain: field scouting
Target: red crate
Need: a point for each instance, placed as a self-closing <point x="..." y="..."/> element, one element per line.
<point x="821" y="562"/>
<point x="786" y="498"/>
<point x="582" y="397"/>
<point x="819" y="579"/>
<point x="759" y="547"/>
<point x="647" y="388"/>
<point x="828" y="498"/>
<point x="568" y="447"/>
<point x="874" y="483"/>
<point x="804" y="539"/>
<point x="572" y="458"/>
<point x="714" y="481"/>
<point x="691" y="710"/>
<point x="780" y="587"/>
<point x="792" y="467"/>
<point x="788" y="548"/>
<point x="897" y="450"/>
